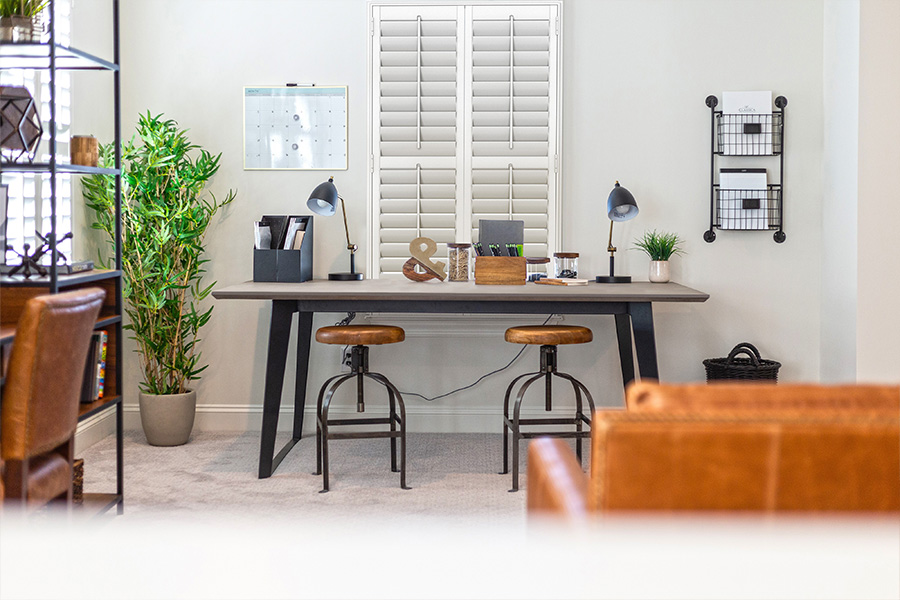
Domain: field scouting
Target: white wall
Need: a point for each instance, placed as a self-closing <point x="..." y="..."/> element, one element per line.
<point x="839" y="201"/>
<point x="878" y="317"/>
<point x="636" y="74"/>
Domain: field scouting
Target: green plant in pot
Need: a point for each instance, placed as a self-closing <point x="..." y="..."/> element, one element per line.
<point x="20" y="20"/>
<point x="165" y="214"/>
<point x="660" y="247"/>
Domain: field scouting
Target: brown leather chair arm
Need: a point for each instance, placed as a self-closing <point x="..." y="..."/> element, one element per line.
<point x="556" y="483"/>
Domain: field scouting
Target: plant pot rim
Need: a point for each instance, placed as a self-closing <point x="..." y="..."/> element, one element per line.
<point x="167" y="395"/>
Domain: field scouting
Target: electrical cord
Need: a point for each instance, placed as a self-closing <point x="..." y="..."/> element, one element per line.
<point x="477" y="381"/>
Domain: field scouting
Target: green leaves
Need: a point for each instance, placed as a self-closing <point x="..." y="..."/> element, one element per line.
<point x="165" y="215"/>
<point x="659" y="246"/>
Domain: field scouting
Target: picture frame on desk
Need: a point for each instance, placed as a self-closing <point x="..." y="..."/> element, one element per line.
<point x="287" y="266"/>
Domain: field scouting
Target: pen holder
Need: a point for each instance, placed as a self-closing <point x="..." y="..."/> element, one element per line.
<point x="500" y="270"/>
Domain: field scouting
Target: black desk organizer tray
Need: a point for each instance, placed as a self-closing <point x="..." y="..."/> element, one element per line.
<point x="292" y="266"/>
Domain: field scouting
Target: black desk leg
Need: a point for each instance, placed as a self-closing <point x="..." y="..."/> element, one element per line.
<point x="644" y="338"/>
<point x="279" y="336"/>
<point x="626" y="350"/>
<point x="304" y="341"/>
<point x="120" y="468"/>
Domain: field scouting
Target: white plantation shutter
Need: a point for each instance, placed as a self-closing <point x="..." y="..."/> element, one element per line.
<point x="464" y="112"/>
<point x="514" y="120"/>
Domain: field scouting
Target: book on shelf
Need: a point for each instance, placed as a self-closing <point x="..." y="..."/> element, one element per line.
<point x="95" y="368"/>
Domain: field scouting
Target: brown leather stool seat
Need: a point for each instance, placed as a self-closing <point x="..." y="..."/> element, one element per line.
<point x="549" y="337"/>
<point x="360" y="335"/>
<point x="553" y="335"/>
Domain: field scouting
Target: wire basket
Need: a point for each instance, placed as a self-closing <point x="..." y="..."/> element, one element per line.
<point x="753" y="368"/>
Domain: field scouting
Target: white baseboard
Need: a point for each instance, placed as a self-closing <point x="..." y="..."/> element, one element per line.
<point x="425" y="419"/>
<point x="94" y="429"/>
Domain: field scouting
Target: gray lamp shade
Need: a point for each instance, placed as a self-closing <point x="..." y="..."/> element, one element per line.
<point x="324" y="199"/>
<point x="620" y="206"/>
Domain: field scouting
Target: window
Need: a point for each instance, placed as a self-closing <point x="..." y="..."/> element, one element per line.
<point x="465" y="125"/>
<point x="25" y="215"/>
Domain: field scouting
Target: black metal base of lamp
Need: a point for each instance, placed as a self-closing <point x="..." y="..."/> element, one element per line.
<point x="613" y="279"/>
<point x="345" y="276"/>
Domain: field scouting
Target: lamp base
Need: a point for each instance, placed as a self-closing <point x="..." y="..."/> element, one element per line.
<point x="345" y="277"/>
<point x="613" y="279"/>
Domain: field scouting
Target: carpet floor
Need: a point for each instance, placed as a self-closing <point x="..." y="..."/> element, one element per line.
<point x="453" y="476"/>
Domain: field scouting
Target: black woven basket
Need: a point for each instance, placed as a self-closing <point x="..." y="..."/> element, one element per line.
<point x="753" y="368"/>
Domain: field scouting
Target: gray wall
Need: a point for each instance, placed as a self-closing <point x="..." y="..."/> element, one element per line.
<point x="636" y="73"/>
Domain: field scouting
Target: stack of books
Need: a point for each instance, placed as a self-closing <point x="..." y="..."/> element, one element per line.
<point x="95" y="368"/>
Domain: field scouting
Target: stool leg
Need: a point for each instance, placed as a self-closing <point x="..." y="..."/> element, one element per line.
<point x="505" y="419"/>
<point x="516" y="432"/>
<point x="579" y="413"/>
<point x="318" y="470"/>
<point x="323" y="420"/>
<point x="396" y="393"/>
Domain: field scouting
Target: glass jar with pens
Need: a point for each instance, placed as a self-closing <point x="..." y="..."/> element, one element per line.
<point x="565" y="265"/>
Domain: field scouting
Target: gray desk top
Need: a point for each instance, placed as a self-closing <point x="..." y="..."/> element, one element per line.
<point x="405" y="290"/>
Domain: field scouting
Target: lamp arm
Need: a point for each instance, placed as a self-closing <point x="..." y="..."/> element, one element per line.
<point x="609" y="247"/>
<point x="350" y="247"/>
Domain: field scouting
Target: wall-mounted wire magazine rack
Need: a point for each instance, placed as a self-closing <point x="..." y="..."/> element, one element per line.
<point x="746" y="136"/>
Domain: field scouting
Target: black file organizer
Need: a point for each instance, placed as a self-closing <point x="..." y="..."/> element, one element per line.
<point x="723" y="210"/>
<point x="292" y="266"/>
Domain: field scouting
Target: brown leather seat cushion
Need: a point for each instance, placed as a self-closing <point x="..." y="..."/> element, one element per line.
<point x="552" y="335"/>
<point x="360" y="335"/>
<point x="48" y="477"/>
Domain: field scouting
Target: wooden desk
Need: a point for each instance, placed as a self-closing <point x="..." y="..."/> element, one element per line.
<point x="630" y="303"/>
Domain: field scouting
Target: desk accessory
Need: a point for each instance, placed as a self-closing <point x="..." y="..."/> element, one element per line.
<point x="620" y="206"/>
<point x="536" y="267"/>
<point x="30" y="264"/>
<point x="565" y="265"/>
<point x="84" y="150"/>
<point x="277" y="260"/>
<point x="422" y="249"/>
<point x="500" y="270"/>
<point x="746" y="134"/>
<point x="555" y="281"/>
<point x="500" y="233"/>
<point x="20" y="124"/>
<point x="323" y="201"/>
<point x="458" y="257"/>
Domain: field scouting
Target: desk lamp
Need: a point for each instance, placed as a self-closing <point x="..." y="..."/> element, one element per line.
<point x="620" y="206"/>
<point x="323" y="201"/>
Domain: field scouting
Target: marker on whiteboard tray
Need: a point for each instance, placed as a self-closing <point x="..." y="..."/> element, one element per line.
<point x="300" y="85"/>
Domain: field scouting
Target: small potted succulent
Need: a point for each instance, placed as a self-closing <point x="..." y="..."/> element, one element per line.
<point x="20" y="20"/>
<point x="660" y="247"/>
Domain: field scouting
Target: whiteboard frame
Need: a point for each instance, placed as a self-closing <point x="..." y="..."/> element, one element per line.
<point x="297" y="87"/>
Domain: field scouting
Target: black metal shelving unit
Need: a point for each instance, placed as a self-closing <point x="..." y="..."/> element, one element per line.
<point x="746" y="136"/>
<point x="52" y="57"/>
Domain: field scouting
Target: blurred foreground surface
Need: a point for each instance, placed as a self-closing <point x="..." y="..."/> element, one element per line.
<point x="635" y="556"/>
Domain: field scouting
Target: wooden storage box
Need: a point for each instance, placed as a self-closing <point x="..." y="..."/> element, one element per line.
<point x="500" y="270"/>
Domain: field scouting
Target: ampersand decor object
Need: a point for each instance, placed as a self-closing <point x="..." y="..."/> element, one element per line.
<point x="422" y="249"/>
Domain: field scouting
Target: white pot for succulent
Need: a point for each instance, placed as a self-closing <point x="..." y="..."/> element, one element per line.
<point x="659" y="271"/>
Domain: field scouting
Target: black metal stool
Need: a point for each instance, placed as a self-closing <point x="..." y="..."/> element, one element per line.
<point x="360" y="336"/>
<point x="549" y="337"/>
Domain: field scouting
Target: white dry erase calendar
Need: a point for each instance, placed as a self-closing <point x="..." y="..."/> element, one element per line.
<point x="295" y="127"/>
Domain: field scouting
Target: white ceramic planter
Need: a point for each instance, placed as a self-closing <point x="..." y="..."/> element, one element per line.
<point x="659" y="271"/>
<point x="168" y="419"/>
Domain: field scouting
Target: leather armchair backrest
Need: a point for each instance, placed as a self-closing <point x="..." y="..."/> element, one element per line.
<point x="652" y="397"/>
<point x="43" y="384"/>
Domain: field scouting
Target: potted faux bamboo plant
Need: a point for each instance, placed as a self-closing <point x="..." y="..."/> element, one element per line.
<point x="660" y="247"/>
<point x="165" y="215"/>
<point x="20" y="20"/>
